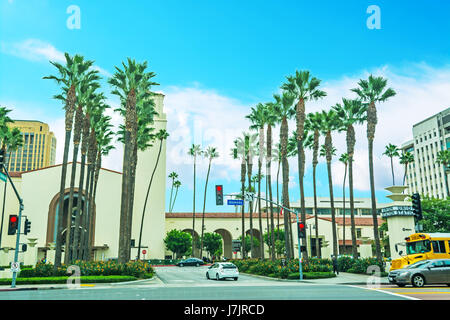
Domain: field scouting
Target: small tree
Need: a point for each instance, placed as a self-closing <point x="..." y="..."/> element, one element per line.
<point x="247" y="243"/>
<point x="212" y="243"/>
<point x="278" y="234"/>
<point x="279" y="247"/>
<point x="179" y="242"/>
<point x="436" y="214"/>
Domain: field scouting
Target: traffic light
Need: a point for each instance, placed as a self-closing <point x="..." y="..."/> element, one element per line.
<point x="301" y="230"/>
<point x="13" y="223"/>
<point x="416" y="206"/>
<point x="2" y="157"/>
<point x="27" y="227"/>
<point x="24" y="247"/>
<point x="219" y="195"/>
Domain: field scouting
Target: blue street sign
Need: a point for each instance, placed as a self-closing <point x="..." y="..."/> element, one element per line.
<point x="235" y="202"/>
<point x="2" y="176"/>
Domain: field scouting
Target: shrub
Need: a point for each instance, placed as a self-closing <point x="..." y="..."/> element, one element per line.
<point x="62" y="280"/>
<point x="312" y="275"/>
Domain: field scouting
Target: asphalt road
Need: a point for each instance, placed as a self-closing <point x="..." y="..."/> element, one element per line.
<point x="431" y="292"/>
<point x="190" y="283"/>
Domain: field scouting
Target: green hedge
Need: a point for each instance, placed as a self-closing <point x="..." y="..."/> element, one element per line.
<point x="62" y="280"/>
<point x="159" y="262"/>
<point x="312" y="275"/>
<point x="91" y="268"/>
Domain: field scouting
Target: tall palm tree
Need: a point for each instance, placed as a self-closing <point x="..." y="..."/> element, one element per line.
<point x="284" y="112"/>
<point x="344" y="159"/>
<point x="69" y="77"/>
<point x="194" y="152"/>
<point x="210" y="153"/>
<point x="330" y="123"/>
<point x="443" y="158"/>
<point x="305" y="88"/>
<point x="271" y="119"/>
<point x="161" y="136"/>
<point x="350" y="113"/>
<point x="258" y="119"/>
<point x="278" y="193"/>
<point x="392" y="151"/>
<point x="314" y="124"/>
<point x="177" y="185"/>
<point x="372" y="91"/>
<point x="173" y="176"/>
<point x="132" y="85"/>
<point x="406" y="158"/>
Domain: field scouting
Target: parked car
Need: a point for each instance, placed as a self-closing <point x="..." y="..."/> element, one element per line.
<point x="222" y="270"/>
<point x="191" y="262"/>
<point x="436" y="271"/>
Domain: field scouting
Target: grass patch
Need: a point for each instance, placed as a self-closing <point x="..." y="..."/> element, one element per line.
<point x="62" y="280"/>
<point x="312" y="275"/>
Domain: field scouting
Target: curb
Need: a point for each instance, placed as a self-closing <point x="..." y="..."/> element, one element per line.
<point x="128" y="282"/>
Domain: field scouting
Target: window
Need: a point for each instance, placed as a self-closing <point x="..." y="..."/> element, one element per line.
<point x="358" y="232"/>
<point x="418" y="247"/>
<point x="366" y="212"/>
<point x="437" y="264"/>
<point x="323" y="211"/>
<point x="438" y="246"/>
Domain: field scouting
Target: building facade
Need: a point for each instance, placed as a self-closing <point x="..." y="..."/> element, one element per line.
<point x="38" y="150"/>
<point x="424" y="175"/>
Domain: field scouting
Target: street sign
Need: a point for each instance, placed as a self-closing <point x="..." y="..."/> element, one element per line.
<point x="2" y="176"/>
<point x="235" y="202"/>
<point x="15" y="266"/>
<point x="236" y="245"/>
<point x="144" y="251"/>
<point x="249" y="196"/>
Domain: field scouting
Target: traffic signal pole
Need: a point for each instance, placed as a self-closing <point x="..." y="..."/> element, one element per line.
<point x="300" y="269"/>
<point x="16" y="253"/>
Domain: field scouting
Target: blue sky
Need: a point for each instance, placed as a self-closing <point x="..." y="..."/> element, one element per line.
<point x="226" y="56"/>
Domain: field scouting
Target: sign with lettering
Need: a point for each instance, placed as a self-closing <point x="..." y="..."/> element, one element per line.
<point x="397" y="211"/>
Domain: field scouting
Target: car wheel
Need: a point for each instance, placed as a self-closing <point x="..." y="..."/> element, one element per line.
<point x="418" y="281"/>
<point x="197" y="264"/>
<point x="235" y="279"/>
<point x="400" y="285"/>
<point x="181" y="264"/>
<point x="217" y="277"/>
<point x="207" y="275"/>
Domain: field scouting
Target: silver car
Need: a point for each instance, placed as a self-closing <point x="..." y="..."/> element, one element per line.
<point x="222" y="270"/>
<point x="436" y="271"/>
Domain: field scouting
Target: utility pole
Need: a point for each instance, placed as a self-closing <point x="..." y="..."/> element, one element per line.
<point x="16" y="254"/>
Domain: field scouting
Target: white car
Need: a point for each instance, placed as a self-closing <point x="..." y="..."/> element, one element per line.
<point x="222" y="270"/>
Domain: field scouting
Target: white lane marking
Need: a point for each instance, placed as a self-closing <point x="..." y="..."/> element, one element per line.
<point x="381" y="290"/>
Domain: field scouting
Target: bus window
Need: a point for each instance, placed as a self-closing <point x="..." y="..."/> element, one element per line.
<point x="438" y="246"/>
<point x="418" y="247"/>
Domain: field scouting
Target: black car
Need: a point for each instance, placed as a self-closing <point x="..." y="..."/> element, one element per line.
<point x="190" y="262"/>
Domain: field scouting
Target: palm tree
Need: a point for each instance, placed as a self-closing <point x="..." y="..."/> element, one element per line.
<point x="330" y="123"/>
<point x="443" y="158"/>
<point x="305" y="88"/>
<point x="194" y="152"/>
<point x="406" y="158"/>
<point x="173" y="176"/>
<point x="177" y="185"/>
<point x="210" y="153"/>
<point x="69" y="77"/>
<point x="372" y="91"/>
<point x="239" y="151"/>
<point x="314" y="124"/>
<point x="258" y="119"/>
<point x="161" y="136"/>
<point x="132" y="85"/>
<point x="392" y="151"/>
<point x="344" y="159"/>
<point x="350" y="113"/>
<point x="284" y="112"/>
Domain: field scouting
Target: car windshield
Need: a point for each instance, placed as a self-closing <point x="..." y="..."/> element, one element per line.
<point x="228" y="266"/>
<point x="418" y="247"/>
<point x="417" y="265"/>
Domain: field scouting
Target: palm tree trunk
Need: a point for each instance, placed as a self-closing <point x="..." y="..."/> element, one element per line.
<point x="404" y="176"/>
<point x="171" y="190"/>
<point x="269" y="183"/>
<point x="352" y="206"/>
<point x="343" y="192"/>
<point x="278" y="202"/>
<point x="76" y="235"/>
<point x="261" y="244"/>
<point x="84" y="222"/>
<point x="193" y="214"/>
<point x="204" y="205"/>
<point x="146" y="198"/>
<point x="316" y="219"/>
<point x="87" y="240"/>
<point x="392" y="168"/>
<point x="4" y="201"/>
<point x="329" y="146"/>
<point x="131" y="187"/>
<point x="174" y="199"/>
<point x="243" y="171"/>
<point x="250" y="207"/>
<point x="285" y="193"/>
<point x="374" y="204"/>
<point x="301" y="170"/>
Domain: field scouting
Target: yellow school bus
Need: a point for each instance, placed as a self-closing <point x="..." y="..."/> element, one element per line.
<point x="423" y="246"/>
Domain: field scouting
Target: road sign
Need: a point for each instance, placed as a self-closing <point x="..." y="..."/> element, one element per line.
<point x="2" y="176"/>
<point x="15" y="266"/>
<point x="235" y="202"/>
<point x="249" y="196"/>
<point x="144" y="251"/>
<point x="236" y="245"/>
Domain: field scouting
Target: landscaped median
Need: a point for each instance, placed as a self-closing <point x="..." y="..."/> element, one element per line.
<point x="90" y="272"/>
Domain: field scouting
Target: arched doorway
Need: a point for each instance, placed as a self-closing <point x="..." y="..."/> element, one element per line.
<point x="226" y="242"/>
<point x="196" y="249"/>
<point x="53" y="216"/>
<point x="256" y="249"/>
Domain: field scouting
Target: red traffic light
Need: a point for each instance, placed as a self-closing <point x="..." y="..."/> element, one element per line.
<point x="301" y="225"/>
<point x="219" y="188"/>
<point x="13" y="219"/>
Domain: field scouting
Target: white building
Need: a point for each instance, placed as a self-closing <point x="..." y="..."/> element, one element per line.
<point x="424" y="175"/>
